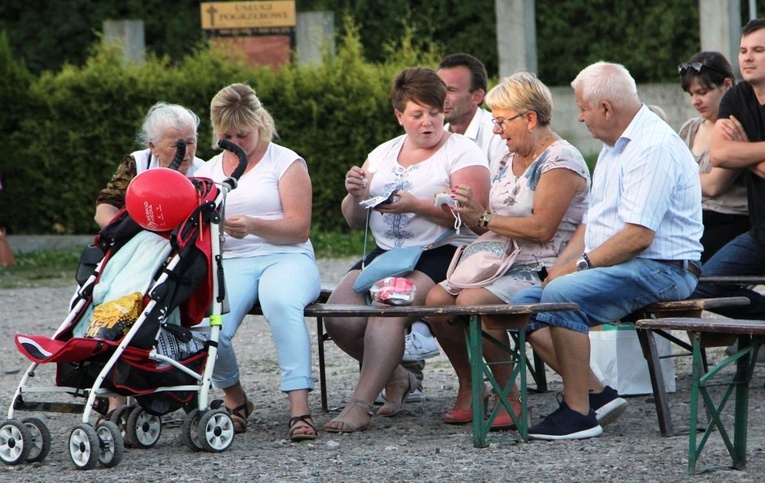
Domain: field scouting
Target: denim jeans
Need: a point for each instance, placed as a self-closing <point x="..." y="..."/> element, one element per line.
<point x="606" y="294"/>
<point x="283" y="284"/>
<point x="741" y="256"/>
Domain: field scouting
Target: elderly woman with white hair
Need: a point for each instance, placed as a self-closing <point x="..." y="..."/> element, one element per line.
<point x="162" y="127"/>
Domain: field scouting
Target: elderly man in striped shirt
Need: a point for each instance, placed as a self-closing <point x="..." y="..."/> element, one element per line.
<point x="638" y="243"/>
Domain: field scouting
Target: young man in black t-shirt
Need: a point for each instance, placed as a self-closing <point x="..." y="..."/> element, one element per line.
<point x="738" y="141"/>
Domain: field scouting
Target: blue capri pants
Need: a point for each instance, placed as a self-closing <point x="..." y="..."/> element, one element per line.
<point x="283" y="284"/>
<point x="606" y="294"/>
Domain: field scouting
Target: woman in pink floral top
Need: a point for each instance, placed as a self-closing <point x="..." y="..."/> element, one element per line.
<point x="538" y="197"/>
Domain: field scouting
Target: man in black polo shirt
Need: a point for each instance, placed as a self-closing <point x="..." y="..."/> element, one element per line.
<point x="738" y="141"/>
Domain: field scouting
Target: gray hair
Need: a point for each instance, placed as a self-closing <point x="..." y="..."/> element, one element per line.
<point x="606" y="81"/>
<point x="522" y="92"/>
<point x="162" y="116"/>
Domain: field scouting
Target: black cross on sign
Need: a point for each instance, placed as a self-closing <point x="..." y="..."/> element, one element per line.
<point x="211" y="10"/>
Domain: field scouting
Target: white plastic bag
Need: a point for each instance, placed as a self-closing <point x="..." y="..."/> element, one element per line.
<point x="616" y="357"/>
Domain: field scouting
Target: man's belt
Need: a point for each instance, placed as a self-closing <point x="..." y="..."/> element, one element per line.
<point x="690" y="265"/>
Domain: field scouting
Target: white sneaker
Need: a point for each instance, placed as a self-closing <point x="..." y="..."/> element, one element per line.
<point x="418" y="347"/>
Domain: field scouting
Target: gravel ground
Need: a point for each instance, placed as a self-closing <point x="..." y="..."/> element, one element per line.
<point x="414" y="445"/>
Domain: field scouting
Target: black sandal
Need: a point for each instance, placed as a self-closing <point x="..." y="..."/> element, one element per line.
<point x="240" y="414"/>
<point x="293" y="436"/>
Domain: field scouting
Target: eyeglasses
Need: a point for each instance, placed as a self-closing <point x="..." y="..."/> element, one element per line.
<point x="501" y="123"/>
<point x="696" y="66"/>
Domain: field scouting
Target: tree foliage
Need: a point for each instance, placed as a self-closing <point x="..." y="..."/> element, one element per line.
<point x="50" y="33"/>
<point x="81" y="121"/>
<point x="649" y="37"/>
<point x="71" y="108"/>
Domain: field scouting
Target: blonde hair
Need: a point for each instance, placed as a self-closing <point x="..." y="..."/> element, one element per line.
<point x="522" y="92"/>
<point x="238" y="106"/>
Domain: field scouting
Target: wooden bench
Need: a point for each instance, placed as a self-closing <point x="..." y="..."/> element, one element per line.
<point x="660" y="310"/>
<point x="732" y="280"/>
<point x="514" y="316"/>
<point x="750" y="334"/>
<point x="535" y="368"/>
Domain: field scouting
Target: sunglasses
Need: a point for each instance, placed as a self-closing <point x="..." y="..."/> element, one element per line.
<point x="696" y="66"/>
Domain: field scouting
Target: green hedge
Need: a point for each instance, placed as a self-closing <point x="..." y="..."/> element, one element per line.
<point x="79" y="122"/>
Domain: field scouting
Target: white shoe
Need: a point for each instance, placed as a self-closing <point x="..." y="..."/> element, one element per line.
<point x="418" y="347"/>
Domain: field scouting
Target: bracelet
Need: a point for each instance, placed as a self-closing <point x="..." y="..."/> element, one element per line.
<point x="586" y="259"/>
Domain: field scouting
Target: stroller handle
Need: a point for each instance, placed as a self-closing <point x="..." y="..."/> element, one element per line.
<point x="180" y="152"/>
<point x="229" y="146"/>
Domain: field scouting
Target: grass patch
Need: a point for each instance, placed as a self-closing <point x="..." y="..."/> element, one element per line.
<point x="591" y="160"/>
<point x="41" y="268"/>
<point x="340" y="245"/>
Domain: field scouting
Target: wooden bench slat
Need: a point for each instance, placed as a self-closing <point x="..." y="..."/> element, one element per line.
<point x="351" y="310"/>
<point x="343" y="310"/>
<point x="720" y="326"/>
<point x="696" y="304"/>
<point x="732" y="280"/>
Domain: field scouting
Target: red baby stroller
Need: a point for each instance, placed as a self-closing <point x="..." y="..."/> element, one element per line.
<point x="160" y="365"/>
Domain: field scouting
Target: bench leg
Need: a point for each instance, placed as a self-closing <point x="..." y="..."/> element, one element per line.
<point x="540" y="377"/>
<point x="321" y="338"/>
<point x="475" y="337"/>
<point x="696" y="373"/>
<point x="537" y="368"/>
<point x="477" y="367"/>
<point x="744" y="368"/>
<point x="738" y="385"/>
<point x="651" y="354"/>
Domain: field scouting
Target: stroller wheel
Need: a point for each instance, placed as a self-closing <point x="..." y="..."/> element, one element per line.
<point x="216" y="430"/>
<point x="189" y="431"/>
<point x="41" y="439"/>
<point x="119" y="416"/>
<point x="15" y="442"/>
<point x="84" y="447"/>
<point x="143" y="429"/>
<point x="111" y="443"/>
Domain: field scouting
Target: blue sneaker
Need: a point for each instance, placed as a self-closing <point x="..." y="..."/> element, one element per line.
<point x="565" y="423"/>
<point x="608" y="405"/>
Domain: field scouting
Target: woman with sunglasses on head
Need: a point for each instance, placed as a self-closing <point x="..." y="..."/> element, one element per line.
<point x="706" y="77"/>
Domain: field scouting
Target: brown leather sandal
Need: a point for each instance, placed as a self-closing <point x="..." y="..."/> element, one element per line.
<point x="307" y="423"/>
<point x="240" y="414"/>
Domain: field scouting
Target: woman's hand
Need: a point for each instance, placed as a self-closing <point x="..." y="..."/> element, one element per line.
<point x="468" y="207"/>
<point x="356" y="182"/>
<point x="559" y="270"/>
<point x="237" y="226"/>
<point x="403" y="202"/>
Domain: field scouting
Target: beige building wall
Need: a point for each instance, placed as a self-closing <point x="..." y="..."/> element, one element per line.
<point x="669" y="97"/>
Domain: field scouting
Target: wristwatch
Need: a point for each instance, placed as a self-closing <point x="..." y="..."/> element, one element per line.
<point x="483" y="220"/>
<point x="583" y="263"/>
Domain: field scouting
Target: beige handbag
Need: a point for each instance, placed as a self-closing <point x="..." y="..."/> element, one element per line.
<point x="480" y="263"/>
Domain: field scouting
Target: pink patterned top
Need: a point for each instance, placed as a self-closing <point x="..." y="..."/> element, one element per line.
<point x="514" y="196"/>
